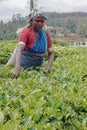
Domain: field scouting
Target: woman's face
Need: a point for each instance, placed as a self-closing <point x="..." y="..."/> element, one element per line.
<point x="38" y="23"/>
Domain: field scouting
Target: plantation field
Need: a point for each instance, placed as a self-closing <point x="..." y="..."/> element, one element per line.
<point x="45" y="101"/>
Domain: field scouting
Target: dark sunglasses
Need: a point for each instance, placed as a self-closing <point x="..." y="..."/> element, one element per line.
<point x="38" y="21"/>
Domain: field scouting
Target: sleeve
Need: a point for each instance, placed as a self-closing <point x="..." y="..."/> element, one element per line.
<point x="49" y="41"/>
<point x="23" y="37"/>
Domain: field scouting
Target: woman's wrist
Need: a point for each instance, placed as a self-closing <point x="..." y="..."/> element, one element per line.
<point x="18" y="68"/>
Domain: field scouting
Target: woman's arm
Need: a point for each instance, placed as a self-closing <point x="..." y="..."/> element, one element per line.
<point x="50" y="61"/>
<point x="50" y="53"/>
<point x="15" y="72"/>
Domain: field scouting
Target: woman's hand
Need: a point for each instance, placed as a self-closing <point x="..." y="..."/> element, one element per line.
<point x="50" y="60"/>
<point x="15" y="73"/>
<point x="47" y="69"/>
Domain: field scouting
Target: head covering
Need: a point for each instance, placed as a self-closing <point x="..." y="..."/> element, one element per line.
<point x="35" y="13"/>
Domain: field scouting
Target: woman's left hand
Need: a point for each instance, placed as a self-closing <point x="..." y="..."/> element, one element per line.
<point x="47" y="69"/>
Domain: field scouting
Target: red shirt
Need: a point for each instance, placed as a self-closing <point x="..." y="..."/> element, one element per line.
<point x="29" y="39"/>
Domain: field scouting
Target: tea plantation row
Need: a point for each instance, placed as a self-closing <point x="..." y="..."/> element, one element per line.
<point x="45" y="101"/>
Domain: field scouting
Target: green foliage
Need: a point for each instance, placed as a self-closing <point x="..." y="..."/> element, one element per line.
<point x="8" y="30"/>
<point x="45" y="101"/>
<point x="6" y="48"/>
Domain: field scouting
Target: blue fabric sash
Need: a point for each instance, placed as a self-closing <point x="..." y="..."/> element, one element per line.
<point x="40" y="45"/>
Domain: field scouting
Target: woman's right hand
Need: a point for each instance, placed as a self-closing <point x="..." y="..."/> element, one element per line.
<point x="15" y="73"/>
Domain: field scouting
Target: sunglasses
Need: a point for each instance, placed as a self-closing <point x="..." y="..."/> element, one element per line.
<point x="39" y="21"/>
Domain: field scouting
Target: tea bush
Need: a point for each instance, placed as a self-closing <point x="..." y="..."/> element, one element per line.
<point x="45" y="101"/>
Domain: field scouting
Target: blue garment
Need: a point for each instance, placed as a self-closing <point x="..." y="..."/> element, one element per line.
<point x="31" y="60"/>
<point x="40" y="45"/>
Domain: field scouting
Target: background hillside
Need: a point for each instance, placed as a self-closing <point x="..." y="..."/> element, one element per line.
<point x="69" y="22"/>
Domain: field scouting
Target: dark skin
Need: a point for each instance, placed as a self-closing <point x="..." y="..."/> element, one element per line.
<point x="37" y="24"/>
<point x="16" y="71"/>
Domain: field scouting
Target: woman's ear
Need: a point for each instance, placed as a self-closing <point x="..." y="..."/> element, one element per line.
<point x="31" y="21"/>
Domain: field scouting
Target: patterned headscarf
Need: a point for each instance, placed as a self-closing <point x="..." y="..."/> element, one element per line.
<point x="35" y="13"/>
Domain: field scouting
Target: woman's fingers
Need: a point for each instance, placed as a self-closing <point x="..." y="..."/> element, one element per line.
<point x="47" y="69"/>
<point x="14" y="73"/>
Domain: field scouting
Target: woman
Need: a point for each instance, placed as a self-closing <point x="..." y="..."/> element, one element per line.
<point x="32" y="46"/>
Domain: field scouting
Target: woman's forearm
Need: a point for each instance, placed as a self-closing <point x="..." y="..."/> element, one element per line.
<point x="50" y="61"/>
<point x="50" y="58"/>
<point x="19" y="52"/>
<point x="16" y="71"/>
